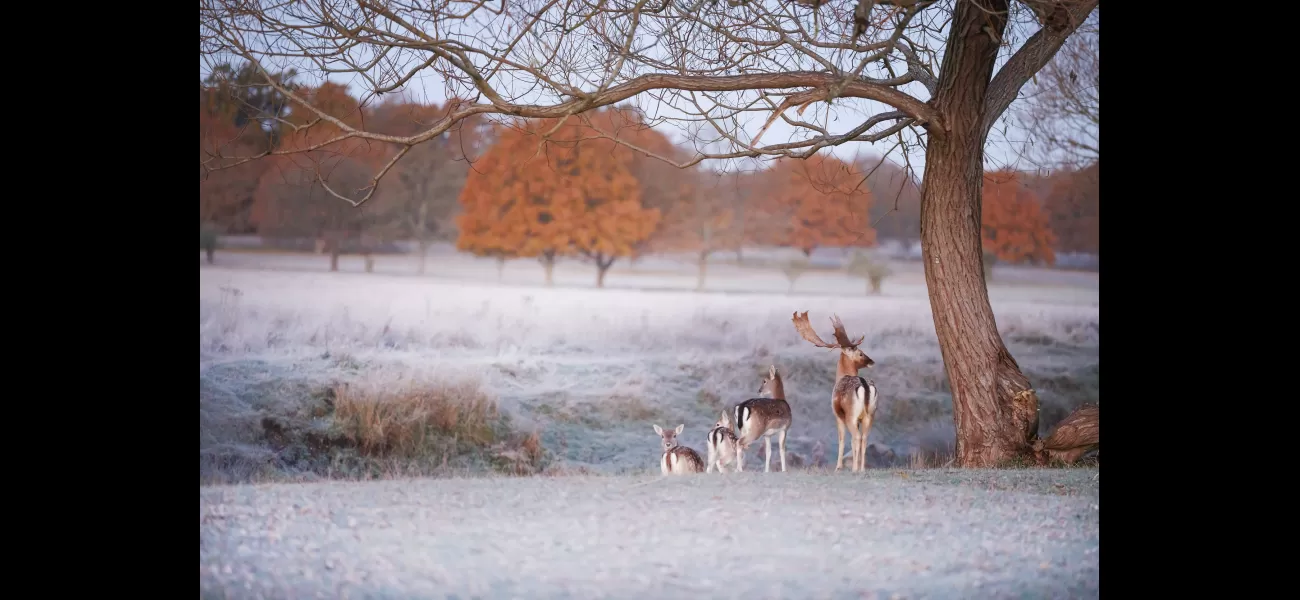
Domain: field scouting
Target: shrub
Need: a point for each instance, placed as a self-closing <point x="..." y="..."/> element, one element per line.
<point x="794" y="269"/>
<point x="868" y="267"/>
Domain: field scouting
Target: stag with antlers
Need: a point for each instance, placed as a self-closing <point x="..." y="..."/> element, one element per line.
<point x="853" y="398"/>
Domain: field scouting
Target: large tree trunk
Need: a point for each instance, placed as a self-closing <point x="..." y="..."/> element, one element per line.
<point x="994" y="407"/>
<point x="334" y="256"/>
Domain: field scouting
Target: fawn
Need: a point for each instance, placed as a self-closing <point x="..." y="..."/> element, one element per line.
<point x="853" y="398"/>
<point x="677" y="460"/>
<point x="723" y="446"/>
<point x="763" y="417"/>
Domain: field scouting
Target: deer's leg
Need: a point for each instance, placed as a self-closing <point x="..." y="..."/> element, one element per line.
<point x="740" y="458"/>
<point x="866" y="430"/>
<point x="853" y="442"/>
<point x="839" y="456"/>
<point x="767" y="456"/>
<point x="857" y="446"/>
<point x="781" y="442"/>
<point x="713" y="458"/>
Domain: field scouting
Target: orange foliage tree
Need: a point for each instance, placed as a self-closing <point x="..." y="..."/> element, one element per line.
<point x="226" y="194"/>
<point x="1015" y="228"/>
<point x="821" y="201"/>
<point x="237" y="119"/>
<point x="700" y="220"/>
<point x="421" y="198"/>
<point x="531" y="196"/>
<point x="293" y="196"/>
<point x="694" y="216"/>
<point x="1073" y="205"/>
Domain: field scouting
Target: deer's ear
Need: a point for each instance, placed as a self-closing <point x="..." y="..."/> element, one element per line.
<point x="659" y="430"/>
<point x="680" y="428"/>
<point x="771" y="372"/>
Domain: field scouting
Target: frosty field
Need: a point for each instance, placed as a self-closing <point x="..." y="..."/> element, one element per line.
<point x="310" y="380"/>
<point x="283" y="341"/>
<point x="887" y="534"/>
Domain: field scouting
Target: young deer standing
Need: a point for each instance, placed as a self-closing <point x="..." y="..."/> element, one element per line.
<point x="853" y="398"/>
<point x="677" y="460"/>
<point x="723" y="446"/>
<point x="763" y="417"/>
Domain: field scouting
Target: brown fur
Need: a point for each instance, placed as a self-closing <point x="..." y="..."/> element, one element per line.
<point x="763" y="417"/>
<point x="844" y="392"/>
<point x="688" y="460"/>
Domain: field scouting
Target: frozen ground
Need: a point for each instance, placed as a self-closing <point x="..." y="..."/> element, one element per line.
<point x="886" y="534"/>
<point x="591" y="370"/>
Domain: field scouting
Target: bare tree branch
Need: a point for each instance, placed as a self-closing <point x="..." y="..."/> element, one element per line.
<point x="1060" y="18"/>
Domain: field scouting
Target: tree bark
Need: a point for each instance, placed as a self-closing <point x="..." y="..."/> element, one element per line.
<point x="334" y="256"/>
<point x="994" y="408"/>
<point x="1076" y="435"/>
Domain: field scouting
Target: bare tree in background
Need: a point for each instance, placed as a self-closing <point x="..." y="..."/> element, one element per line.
<point x="909" y="73"/>
<point x="1061" y="113"/>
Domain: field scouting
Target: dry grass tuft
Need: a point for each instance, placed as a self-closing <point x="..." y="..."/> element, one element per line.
<point x="923" y="459"/>
<point x="408" y="421"/>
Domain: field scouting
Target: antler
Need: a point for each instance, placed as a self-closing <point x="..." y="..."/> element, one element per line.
<point x="805" y="329"/>
<point x="842" y="337"/>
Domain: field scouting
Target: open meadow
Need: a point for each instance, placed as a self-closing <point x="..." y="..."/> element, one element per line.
<point x="307" y="376"/>
<point x="306" y="373"/>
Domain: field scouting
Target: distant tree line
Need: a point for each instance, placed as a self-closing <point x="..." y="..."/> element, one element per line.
<point x="561" y="188"/>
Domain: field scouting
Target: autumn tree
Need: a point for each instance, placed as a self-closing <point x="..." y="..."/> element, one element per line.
<point x="237" y="118"/>
<point x="699" y="220"/>
<point x="421" y="198"/>
<point x="1072" y="204"/>
<point x="310" y="166"/>
<point x="1015" y="227"/>
<point x="895" y="199"/>
<point x="816" y="202"/>
<point x="746" y="187"/>
<point x="540" y="191"/>
<point x="907" y="75"/>
<point x="625" y="132"/>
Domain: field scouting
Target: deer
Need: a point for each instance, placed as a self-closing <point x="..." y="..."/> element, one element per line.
<point x="723" y="446"/>
<point x="677" y="459"/>
<point x="853" y="398"/>
<point x="765" y="417"/>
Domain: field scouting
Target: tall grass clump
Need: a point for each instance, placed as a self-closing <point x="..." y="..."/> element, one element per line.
<point x="434" y="424"/>
<point x="414" y="419"/>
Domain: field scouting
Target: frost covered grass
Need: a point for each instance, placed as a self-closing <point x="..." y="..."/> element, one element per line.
<point x="939" y="533"/>
<point x="306" y="374"/>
